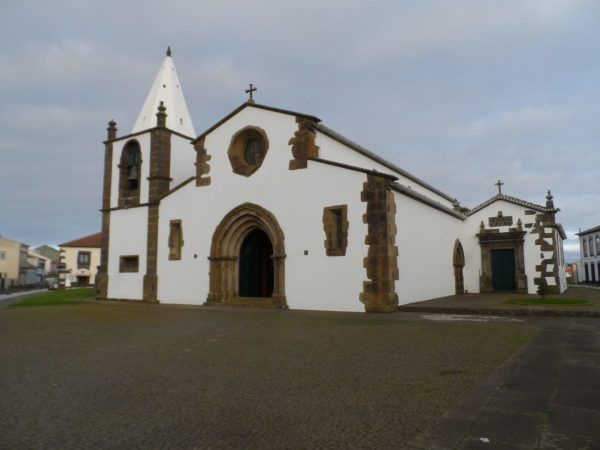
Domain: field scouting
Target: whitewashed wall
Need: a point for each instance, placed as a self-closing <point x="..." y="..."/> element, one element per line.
<point x="425" y="241"/>
<point x="473" y="254"/>
<point x="183" y="157"/>
<point x="334" y="151"/>
<point x="128" y="236"/>
<point x="296" y="198"/>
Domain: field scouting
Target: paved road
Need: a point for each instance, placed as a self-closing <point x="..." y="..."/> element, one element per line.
<point x="546" y="397"/>
<point x="15" y="295"/>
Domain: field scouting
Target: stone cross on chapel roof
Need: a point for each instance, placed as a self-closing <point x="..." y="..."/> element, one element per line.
<point x="499" y="184"/>
<point x="250" y="91"/>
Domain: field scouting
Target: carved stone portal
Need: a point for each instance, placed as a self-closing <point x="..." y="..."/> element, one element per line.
<point x="458" y="261"/>
<point x="225" y="257"/>
<point x="512" y="240"/>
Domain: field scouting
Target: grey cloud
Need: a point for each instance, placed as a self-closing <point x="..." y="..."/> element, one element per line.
<point x="460" y="93"/>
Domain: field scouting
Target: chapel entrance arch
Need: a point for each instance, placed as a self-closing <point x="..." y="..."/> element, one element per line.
<point x="247" y="259"/>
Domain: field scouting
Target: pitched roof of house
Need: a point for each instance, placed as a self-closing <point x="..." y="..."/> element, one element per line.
<point x="93" y="241"/>
<point x="514" y="200"/>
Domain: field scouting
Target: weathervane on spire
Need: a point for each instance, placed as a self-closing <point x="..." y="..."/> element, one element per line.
<point x="169" y="51"/>
<point x="499" y="184"/>
<point x="250" y="91"/>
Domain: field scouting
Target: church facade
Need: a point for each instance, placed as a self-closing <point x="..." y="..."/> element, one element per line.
<point x="269" y="207"/>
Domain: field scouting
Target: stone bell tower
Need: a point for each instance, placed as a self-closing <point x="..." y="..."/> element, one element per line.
<point x="142" y="159"/>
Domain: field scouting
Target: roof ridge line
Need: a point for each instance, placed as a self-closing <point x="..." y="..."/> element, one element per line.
<point x="374" y="156"/>
<point x="511" y="199"/>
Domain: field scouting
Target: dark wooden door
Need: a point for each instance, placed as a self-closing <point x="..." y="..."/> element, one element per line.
<point x="503" y="270"/>
<point x="256" y="265"/>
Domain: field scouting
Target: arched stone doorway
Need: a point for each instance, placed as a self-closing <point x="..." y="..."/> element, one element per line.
<point x="242" y="245"/>
<point x="458" y="262"/>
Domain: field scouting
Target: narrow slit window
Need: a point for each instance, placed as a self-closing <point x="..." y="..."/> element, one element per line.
<point x="175" y="240"/>
<point x="335" y="224"/>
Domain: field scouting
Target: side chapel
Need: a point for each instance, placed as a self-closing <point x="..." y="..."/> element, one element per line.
<point x="270" y="207"/>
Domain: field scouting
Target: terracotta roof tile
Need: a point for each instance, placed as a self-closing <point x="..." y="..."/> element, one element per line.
<point x="93" y="240"/>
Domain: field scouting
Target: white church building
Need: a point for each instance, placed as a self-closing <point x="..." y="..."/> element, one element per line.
<point x="270" y="207"/>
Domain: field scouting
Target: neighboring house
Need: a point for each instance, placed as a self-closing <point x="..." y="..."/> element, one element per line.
<point x="271" y="207"/>
<point x="42" y="264"/>
<point x="589" y="246"/>
<point x="15" y="270"/>
<point x="81" y="258"/>
<point x="51" y="254"/>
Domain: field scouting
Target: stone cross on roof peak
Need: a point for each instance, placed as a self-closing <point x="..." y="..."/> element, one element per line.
<point x="499" y="184"/>
<point x="249" y="91"/>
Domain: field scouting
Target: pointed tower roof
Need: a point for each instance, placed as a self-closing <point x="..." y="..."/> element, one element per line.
<point x="166" y="88"/>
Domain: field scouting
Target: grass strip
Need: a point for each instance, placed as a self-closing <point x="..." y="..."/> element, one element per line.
<point x="60" y="297"/>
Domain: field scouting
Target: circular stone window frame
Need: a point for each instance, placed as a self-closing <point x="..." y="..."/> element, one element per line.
<point x="237" y="148"/>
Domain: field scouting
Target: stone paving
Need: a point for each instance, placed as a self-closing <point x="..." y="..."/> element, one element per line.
<point x="129" y="376"/>
<point x="545" y="397"/>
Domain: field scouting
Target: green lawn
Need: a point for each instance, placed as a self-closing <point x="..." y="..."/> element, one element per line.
<point x="547" y="301"/>
<point x="61" y="297"/>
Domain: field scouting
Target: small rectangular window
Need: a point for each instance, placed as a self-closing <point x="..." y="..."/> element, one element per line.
<point x="175" y="240"/>
<point x="129" y="263"/>
<point x="83" y="260"/>
<point x="335" y="224"/>
<point x="2" y="256"/>
<point x="585" y="246"/>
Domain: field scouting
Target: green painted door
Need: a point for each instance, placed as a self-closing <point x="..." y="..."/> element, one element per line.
<point x="256" y="265"/>
<point x="503" y="270"/>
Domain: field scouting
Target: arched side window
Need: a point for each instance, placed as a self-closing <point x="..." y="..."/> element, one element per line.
<point x="130" y="166"/>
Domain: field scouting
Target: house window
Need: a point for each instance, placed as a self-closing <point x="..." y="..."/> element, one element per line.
<point x="591" y="244"/>
<point x="2" y="256"/>
<point x="585" y="247"/>
<point x="130" y="166"/>
<point x="335" y="224"/>
<point x="597" y="238"/>
<point x="175" y="240"/>
<point x="83" y="260"/>
<point x="129" y="263"/>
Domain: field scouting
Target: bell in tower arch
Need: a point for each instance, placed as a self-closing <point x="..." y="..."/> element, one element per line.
<point x="133" y="177"/>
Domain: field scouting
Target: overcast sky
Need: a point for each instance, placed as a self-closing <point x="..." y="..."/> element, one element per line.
<point x="461" y="93"/>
